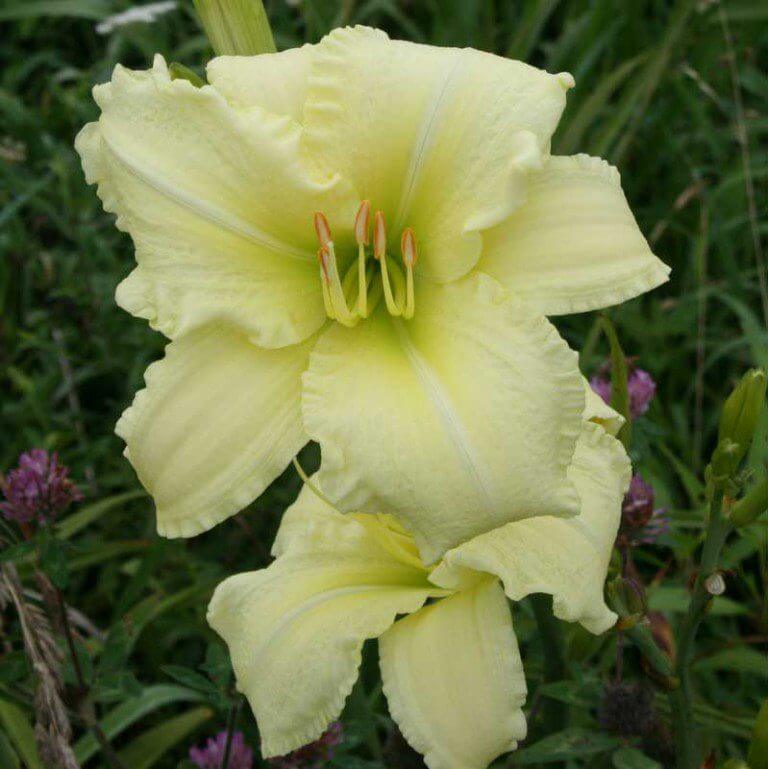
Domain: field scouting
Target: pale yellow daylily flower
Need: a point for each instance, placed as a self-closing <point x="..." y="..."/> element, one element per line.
<point x="451" y="671"/>
<point x="417" y="352"/>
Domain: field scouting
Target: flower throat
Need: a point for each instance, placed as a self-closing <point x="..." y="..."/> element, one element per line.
<point x="373" y="275"/>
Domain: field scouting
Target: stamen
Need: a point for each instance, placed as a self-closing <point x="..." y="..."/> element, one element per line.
<point x="338" y="303"/>
<point x="380" y="252"/>
<point x="324" y="281"/>
<point x="322" y="229"/>
<point x="410" y="257"/>
<point x="362" y="228"/>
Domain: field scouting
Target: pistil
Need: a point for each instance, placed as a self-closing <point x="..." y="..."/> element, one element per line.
<point x="362" y="236"/>
<point x="410" y="256"/>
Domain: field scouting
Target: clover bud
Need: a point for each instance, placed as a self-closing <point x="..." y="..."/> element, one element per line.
<point x="750" y="507"/>
<point x="236" y="27"/>
<point x="741" y="411"/>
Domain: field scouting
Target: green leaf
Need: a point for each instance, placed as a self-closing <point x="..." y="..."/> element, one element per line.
<point x="153" y="744"/>
<point x="741" y="659"/>
<point x="117" y="687"/>
<point x="53" y="560"/>
<point x="88" y="514"/>
<point x="128" y="713"/>
<point x="17" y="551"/>
<point x="31" y="9"/>
<point x="21" y="734"/>
<point x="565" y="745"/>
<point x="192" y="679"/>
<point x="13" y="667"/>
<point x="757" y="758"/>
<point x="8" y="756"/>
<point x="675" y="599"/>
<point x="619" y="374"/>
<point x="632" y="758"/>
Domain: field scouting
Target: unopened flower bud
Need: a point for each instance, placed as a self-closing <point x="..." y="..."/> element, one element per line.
<point x="750" y="507"/>
<point x="725" y="460"/>
<point x="715" y="584"/>
<point x="741" y="411"/>
<point x="626" y="597"/>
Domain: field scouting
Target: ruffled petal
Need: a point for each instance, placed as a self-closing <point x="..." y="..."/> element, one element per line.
<point x="454" y="679"/>
<point x="566" y="558"/>
<point x="440" y="139"/>
<point x="574" y="245"/>
<point x="218" y="421"/>
<point x="296" y="629"/>
<point x="275" y="82"/>
<point x="597" y="410"/>
<point x="457" y="422"/>
<point x="218" y="204"/>
<point x="312" y="525"/>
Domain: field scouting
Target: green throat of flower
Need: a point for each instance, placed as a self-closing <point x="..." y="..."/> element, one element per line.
<point x="373" y="275"/>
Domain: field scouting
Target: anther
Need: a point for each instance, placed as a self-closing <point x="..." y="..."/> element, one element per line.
<point x="408" y="248"/>
<point x="410" y="257"/>
<point x="379" y="235"/>
<point x="322" y="229"/>
<point x="363" y="223"/>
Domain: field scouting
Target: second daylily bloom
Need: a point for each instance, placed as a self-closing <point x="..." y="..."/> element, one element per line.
<point x="357" y="242"/>
<point x="451" y="670"/>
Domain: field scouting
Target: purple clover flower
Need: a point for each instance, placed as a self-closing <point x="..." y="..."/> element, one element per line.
<point x="640" y="387"/>
<point x="211" y="755"/>
<point x="641" y="522"/>
<point x="39" y="488"/>
<point x="312" y="756"/>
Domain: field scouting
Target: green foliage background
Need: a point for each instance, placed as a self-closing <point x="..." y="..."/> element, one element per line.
<point x="674" y="93"/>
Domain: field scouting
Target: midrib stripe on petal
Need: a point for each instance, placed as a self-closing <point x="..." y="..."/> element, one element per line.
<point x="216" y="216"/>
<point x="423" y="141"/>
<point x="445" y="410"/>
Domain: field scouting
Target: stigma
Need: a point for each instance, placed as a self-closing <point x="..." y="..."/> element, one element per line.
<point x="372" y="276"/>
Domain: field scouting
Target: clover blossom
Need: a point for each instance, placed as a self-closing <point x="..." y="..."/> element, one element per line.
<point x="641" y="388"/>
<point x="641" y="522"/>
<point x="38" y="489"/>
<point x="211" y="755"/>
<point x="358" y="242"/>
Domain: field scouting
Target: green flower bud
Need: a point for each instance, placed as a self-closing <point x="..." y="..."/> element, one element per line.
<point x="725" y="460"/>
<point x="741" y="411"/>
<point x="626" y="596"/>
<point x="757" y="757"/>
<point x="181" y="72"/>
<point x="752" y="506"/>
<point x="236" y="27"/>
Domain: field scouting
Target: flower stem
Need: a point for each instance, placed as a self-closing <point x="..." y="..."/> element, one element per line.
<point x="234" y="711"/>
<point x="85" y="708"/>
<point x="681" y="699"/>
<point x="554" y="713"/>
